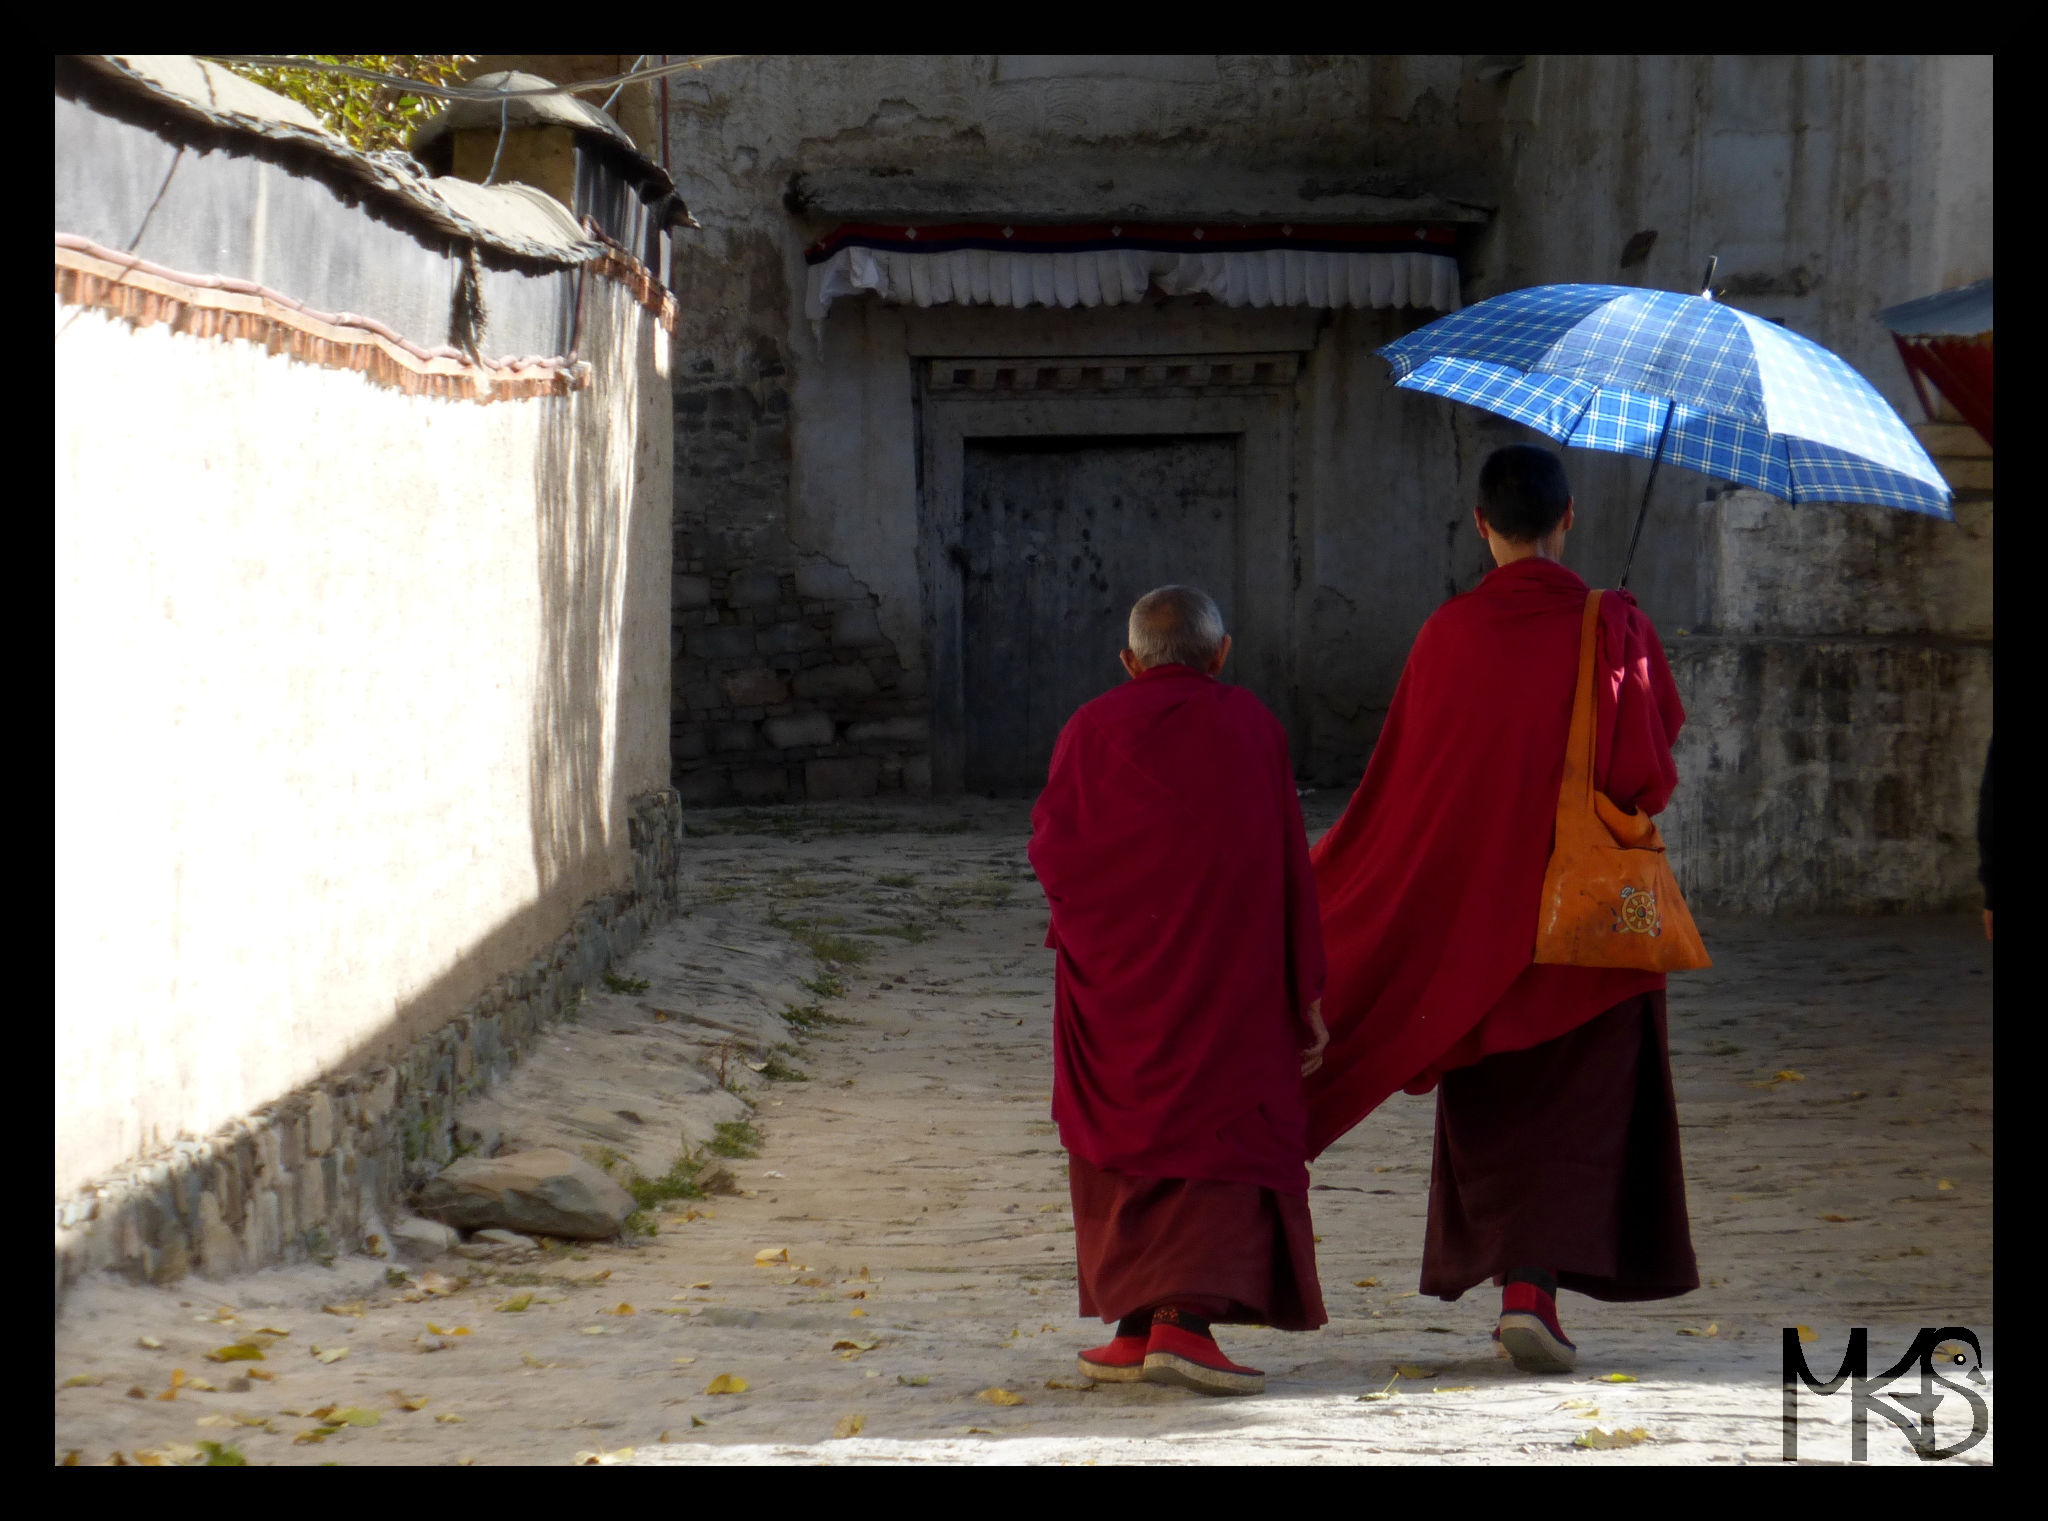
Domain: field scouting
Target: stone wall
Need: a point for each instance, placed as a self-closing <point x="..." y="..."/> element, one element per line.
<point x="786" y="688"/>
<point x="1836" y="722"/>
<point x="318" y="1172"/>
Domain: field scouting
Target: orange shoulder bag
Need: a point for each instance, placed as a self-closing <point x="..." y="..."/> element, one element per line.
<point x="1609" y="899"/>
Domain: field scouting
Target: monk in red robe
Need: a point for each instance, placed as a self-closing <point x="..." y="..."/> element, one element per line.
<point x="1186" y="1005"/>
<point x="1557" y="1160"/>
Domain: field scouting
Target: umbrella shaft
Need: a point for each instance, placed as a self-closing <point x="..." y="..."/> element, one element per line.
<point x="1643" y="511"/>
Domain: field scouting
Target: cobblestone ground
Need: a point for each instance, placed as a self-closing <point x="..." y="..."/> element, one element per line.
<point x="1834" y="1084"/>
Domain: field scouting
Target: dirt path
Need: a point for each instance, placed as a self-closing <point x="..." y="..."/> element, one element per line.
<point x="918" y="1190"/>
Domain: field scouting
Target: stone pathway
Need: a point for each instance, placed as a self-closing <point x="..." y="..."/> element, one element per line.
<point x="1833" y="1080"/>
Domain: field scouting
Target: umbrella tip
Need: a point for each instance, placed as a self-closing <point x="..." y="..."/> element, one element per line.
<point x="1707" y="279"/>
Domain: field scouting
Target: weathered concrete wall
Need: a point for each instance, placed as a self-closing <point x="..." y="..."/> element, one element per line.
<point x="320" y="1170"/>
<point x="356" y="693"/>
<point x="1829" y="188"/>
<point x="1838" y="688"/>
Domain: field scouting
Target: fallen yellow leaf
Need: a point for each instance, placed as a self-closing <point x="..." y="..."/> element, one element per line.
<point x="353" y="1415"/>
<point x="704" y="1285"/>
<point x="330" y="1354"/>
<point x="769" y="1254"/>
<point x="1001" y="1397"/>
<point x="533" y="1362"/>
<point x="150" y="1342"/>
<point x="1615" y="1438"/>
<point x="914" y="1380"/>
<point x="1365" y="1283"/>
<point x="1807" y="1333"/>
<point x="844" y="1343"/>
<point x="1409" y="1370"/>
<point x="1615" y="1378"/>
<point x="1943" y="1183"/>
<point x="449" y="1418"/>
<point x="353" y="1307"/>
<point x="849" y="1426"/>
<point x="619" y="1309"/>
<point x="603" y="1459"/>
<point x="84" y="1380"/>
<point x="855" y="1314"/>
<point x="240" y="1352"/>
<point x="1712" y="1329"/>
<point x="726" y="1383"/>
<point x="698" y="1420"/>
<point x="259" y="1373"/>
<point x="514" y="1305"/>
<point x="416" y="1402"/>
<point x="681" y="1362"/>
<point x="1067" y="1383"/>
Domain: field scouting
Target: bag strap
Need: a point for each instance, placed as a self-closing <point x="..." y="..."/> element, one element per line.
<point x="1575" y="793"/>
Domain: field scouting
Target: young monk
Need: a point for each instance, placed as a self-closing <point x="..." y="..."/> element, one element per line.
<point x="1557" y="1159"/>
<point x="1170" y="845"/>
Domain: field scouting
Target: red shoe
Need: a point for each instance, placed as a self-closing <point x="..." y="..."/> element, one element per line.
<point x="1121" y="1362"/>
<point x="1529" y="1332"/>
<point x="1177" y="1356"/>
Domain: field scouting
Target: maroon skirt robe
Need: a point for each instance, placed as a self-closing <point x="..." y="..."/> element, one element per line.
<point x="1557" y="1136"/>
<point x="1170" y="845"/>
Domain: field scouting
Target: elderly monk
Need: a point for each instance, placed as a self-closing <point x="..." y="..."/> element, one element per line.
<point x="1170" y="845"/>
<point x="1557" y="1160"/>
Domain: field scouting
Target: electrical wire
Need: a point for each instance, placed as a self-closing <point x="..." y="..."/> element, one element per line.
<point x="615" y="94"/>
<point x="463" y="92"/>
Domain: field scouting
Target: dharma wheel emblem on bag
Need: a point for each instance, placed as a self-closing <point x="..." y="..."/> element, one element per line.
<point x="1638" y="913"/>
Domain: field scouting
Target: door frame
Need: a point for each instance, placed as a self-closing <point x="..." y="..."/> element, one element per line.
<point x="1249" y="397"/>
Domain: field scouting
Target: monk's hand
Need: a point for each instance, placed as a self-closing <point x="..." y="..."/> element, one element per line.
<point x="1312" y="1058"/>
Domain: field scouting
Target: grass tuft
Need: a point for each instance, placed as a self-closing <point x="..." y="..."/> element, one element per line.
<point x="810" y="1018"/>
<point x="780" y="1071"/>
<point x="620" y="984"/>
<point x="735" y="1138"/>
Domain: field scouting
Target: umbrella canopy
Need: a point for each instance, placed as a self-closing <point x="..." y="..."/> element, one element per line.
<point x="1668" y="376"/>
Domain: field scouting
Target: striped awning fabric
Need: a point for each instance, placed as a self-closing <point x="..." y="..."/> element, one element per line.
<point x="990" y="264"/>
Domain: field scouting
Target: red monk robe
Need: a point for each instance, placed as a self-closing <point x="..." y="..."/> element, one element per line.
<point x="1170" y="845"/>
<point x="1429" y="885"/>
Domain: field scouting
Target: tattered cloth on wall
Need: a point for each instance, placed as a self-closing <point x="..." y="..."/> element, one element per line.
<point x="995" y="265"/>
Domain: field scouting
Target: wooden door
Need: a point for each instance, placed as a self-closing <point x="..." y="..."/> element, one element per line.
<point x="1060" y="536"/>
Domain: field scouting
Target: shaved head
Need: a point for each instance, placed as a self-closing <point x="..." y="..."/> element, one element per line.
<point x="1176" y="625"/>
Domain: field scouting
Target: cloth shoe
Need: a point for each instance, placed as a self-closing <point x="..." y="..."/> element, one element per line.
<point x="1176" y="1355"/>
<point x="1529" y="1333"/>
<point x="1121" y="1361"/>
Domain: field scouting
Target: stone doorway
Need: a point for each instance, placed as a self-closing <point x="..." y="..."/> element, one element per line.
<point x="1025" y="593"/>
<point x="1059" y="536"/>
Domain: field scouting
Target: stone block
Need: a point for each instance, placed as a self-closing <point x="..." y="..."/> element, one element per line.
<point x="848" y="777"/>
<point x="761" y="785"/>
<point x="834" y="681"/>
<point x="319" y="1124"/>
<point x="759" y="587"/>
<point x="917" y="775"/>
<point x="907" y="731"/>
<point x="754" y="688"/>
<point x="702" y="696"/>
<point x="219" y="1252"/>
<point x="544" y="1191"/>
<point x="731" y="739"/>
<point x="686" y="744"/>
<point x="822" y="581"/>
<point x="720" y="642"/>
<point x="689" y="591"/>
<point x="788" y="639"/>
<point x="855" y="624"/>
<point x="799" y="729"/>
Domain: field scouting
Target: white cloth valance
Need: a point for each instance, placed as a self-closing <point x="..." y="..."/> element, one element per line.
<point x="1264" y="277"/>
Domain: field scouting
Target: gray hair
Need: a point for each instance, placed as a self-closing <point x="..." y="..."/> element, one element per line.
<point x="1176" y="625"/>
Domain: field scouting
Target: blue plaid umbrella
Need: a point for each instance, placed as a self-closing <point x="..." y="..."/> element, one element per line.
<point x="1661" y="375"/>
